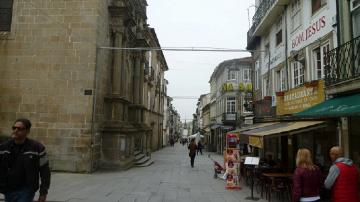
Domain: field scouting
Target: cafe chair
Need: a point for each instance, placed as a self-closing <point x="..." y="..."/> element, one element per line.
<point x="281" y="188"/>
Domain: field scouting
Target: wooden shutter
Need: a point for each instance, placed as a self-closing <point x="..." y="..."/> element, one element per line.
<point x="5" y="14"/>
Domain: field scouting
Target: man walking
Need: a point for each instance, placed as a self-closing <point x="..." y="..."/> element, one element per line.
<point x="22" y="162"/>
<point x="343" y="178"/>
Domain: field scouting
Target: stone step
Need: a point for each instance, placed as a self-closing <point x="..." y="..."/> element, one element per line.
<point x="138" y="157"/>
<point x="142" y="161"/>
<point x="148" y="163"/>
<point x="137" y="152"/>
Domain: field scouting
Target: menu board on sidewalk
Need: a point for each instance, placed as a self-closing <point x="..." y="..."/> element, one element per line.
<point x="232" y="166"/>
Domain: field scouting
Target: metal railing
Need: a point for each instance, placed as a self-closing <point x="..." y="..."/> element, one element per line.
<point x="260" y="13"/>
<point x="343" y="63"/>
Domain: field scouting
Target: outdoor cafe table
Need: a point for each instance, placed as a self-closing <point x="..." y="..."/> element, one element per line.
<point x="274" y="176"/>
<point x="278" y="175"/>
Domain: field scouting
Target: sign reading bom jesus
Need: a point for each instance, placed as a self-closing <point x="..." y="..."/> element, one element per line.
<point x="312" y="30"/>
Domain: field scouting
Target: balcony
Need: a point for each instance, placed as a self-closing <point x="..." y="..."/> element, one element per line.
<point x="264" y="17"/>
<point x="229" y="118"/>
<point x="343" y="67"/>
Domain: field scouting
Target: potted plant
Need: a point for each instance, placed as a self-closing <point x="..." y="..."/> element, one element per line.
<point x="280" y="93"/>
<point x="313" y="83"/>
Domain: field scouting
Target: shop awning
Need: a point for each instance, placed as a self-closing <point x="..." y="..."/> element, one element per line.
<point x="336" y="107"/>
<point x="215" y="126"/>
<point x="256" y="136"/>
<point x="254" y="126"/>
<point x="226" y="127"/>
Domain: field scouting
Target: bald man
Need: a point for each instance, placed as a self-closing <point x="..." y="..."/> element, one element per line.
<point x="343" y="178"/>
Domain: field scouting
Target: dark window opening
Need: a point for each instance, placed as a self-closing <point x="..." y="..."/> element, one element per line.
<point x="317" y="4"/>
<point x="279" y="37"/>
<point x="6" y="7"/>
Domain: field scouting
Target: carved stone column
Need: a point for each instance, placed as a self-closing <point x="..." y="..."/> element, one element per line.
<point x="116" y="77"/>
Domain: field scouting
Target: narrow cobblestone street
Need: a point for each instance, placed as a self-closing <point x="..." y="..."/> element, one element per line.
<point x="169" y="179"/>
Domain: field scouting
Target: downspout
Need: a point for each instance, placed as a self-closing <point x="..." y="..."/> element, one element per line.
<point x="93" y="117"/>
<point x="338" y="22"/>
<point x="286" y="51"/>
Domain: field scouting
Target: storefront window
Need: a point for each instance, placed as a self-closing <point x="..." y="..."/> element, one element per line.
<point x="355" y="140"/>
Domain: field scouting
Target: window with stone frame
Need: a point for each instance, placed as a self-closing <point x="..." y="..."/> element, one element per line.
<point x="317" y="4"/>
<point x="230" y="105"/>
<point x="267" y="49"/>
<point x="280" y="80"/>
<point x="266" y="85"/>
<point x="320" y="61"/>
<point x="257" y="75"/>
<point x="279" y="37"/>
<point x="295" y="14"/>
<point x="298" y="73"/>
<point x="6" y="7"/>
<point x="247" y="75"/>
<point x="231" y="74"/>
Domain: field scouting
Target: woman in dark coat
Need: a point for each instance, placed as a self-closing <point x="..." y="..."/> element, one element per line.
<point x="306" y="179"/>
<point x="192" y="151"/>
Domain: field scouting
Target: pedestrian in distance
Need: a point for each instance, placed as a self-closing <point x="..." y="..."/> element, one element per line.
<point x="306" y="178"/>
<point x="23" y="162"/>
<point x="172" y="142"/>
<point x="192" y="151"/>
<point x="199" y="148"/>
<point x="343" y="177"/>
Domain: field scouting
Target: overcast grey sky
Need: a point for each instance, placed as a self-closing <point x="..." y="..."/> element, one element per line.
<point x="197" y="23"/>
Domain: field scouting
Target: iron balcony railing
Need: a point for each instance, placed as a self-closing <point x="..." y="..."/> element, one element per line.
<point x="343" y="63"/>
<point x="260" y="12"/>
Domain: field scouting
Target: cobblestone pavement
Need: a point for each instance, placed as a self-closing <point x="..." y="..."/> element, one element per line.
<point x="169" y="179"/>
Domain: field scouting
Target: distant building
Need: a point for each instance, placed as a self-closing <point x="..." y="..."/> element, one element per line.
<point x="230" y="95"/>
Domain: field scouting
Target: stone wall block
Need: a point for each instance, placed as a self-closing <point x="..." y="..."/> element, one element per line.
<point x="9" y="107"/>
<point x="41" y="108"/>
<point x="61" y="165"/>
<point x="48" y="117"/>
<point x="7" y="116"/>
<point x="54" y="109"/>
<point x="27" y="108"/>
<point x="65" y="118"/>
<point x="77" y="118"/>
<point x="74" y="4"/>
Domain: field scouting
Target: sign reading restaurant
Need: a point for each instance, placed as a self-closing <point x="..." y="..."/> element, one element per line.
<point x="301" y="98"/>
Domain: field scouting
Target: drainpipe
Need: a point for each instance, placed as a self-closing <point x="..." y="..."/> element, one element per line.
<point x="286" y="51"/>
<point x="338" y="22"/>
<point x="96" y="73"/>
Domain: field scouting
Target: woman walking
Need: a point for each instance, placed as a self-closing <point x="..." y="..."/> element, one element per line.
<point x="192" y="151"/>
<point x="306" y="179"/>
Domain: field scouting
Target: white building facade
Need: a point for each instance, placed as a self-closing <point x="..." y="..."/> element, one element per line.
<point x="230" y="91"/>
<point x="289" y="40"/>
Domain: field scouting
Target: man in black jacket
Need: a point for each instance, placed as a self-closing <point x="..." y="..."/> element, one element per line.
<point x="22" y="162"/>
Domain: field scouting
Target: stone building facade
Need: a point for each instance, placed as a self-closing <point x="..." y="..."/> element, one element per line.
<point x="230" y="90"/>
<point x="85" y="101"/>
<point x="155" y="92"/>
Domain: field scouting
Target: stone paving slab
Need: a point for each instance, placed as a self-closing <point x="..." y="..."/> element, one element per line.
<point x="169" y="179"/>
